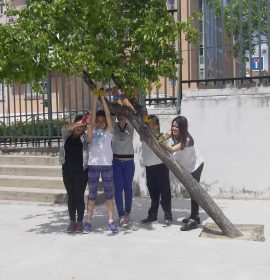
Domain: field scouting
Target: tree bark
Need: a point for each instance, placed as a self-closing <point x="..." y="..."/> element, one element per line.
<point x="194" y="188"/>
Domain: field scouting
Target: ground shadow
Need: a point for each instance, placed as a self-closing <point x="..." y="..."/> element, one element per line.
<point x="57" y="217"/>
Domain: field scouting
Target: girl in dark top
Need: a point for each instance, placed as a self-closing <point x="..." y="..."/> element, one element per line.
<point x="73" y="155"/>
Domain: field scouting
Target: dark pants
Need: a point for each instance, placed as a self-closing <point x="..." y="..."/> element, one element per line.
<point x="158" y="184"/>
<point x="75" y="184"/>
<point x="194" y="205"/>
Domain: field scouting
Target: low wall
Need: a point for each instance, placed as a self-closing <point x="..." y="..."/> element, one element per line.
<point x="232" y="131"/>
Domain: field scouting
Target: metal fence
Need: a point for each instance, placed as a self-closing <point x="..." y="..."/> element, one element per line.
<point x="233" y="52"/>
<point x="30" y="118"/>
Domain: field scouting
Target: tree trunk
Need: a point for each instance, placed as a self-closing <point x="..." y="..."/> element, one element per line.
<point x="193" y="187"/>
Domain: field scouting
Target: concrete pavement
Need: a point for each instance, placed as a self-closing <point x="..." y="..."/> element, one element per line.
<point x="34" y="245"/>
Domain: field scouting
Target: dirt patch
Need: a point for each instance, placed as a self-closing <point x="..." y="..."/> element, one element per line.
<point x="250" y="232"/>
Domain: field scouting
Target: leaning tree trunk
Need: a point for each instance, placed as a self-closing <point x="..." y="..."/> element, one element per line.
<point x="194" y="188"/>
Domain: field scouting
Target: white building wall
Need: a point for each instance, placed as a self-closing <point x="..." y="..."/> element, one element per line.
<point x="232" y="132"/>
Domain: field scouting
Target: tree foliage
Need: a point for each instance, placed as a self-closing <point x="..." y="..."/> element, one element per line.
<point x="132" y="41"/>
<point x="252" y="16"/>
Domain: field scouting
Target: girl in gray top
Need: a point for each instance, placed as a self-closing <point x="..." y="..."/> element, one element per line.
<point x="123" y="167"/>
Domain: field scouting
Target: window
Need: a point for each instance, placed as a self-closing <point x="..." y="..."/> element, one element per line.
<point x="201" y="59"/>
<point x="1" y="91"/>
<point x="29" y="94"/>
<point x="170" y="4"/>
<point x="201" y="26"/>
<point x="201" y="77"/>
<point x="1" y="7"/>
<point x="200" y="5"/>
<point x="201" y="50"/>
<point x="172" y="83"/>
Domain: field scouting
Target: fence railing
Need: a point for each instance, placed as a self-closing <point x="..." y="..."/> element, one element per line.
<point x="24" y="123"/>
<point x="233" y="52"/>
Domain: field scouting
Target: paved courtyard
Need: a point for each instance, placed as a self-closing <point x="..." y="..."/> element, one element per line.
<point x="34" y="245"/>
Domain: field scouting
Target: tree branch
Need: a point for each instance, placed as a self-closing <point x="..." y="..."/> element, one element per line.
<point x="88" y="80"/>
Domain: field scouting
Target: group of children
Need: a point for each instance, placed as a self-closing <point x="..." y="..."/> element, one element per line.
<point x="103" y="148"/>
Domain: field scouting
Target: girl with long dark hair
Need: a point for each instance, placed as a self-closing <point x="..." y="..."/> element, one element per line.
<point x="187" y="154"/>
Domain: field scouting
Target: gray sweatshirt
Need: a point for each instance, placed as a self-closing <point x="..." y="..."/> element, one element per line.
<point x="122" y="141"/>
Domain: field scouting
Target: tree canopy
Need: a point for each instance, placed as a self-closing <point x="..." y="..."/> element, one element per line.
<point x="132" y="41"/>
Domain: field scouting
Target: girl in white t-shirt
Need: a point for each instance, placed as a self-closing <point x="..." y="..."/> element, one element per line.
<point x="187" y="154"/>
<point x="157" y="179"/>
<point x="99" y="135"/>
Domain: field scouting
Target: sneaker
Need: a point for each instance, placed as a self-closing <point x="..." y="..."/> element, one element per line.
<point x="123" y="221"/>
<point x="148" y="220"/>
<point x="197" y="219"/>
<point x="79" y="227"/>
<point x="71" y="227"/>
<point x="87" y="228"/>
<point x="191" y="224"/>
<point x="168" y="222"/>
<point x="112" y="227"/>
<point x="126" y="224"/>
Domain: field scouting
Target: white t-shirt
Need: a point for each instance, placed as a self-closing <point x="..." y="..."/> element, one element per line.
<point x="149" y="157"/>
<point x="100" y="147"/>
<point x="189" y="158"/>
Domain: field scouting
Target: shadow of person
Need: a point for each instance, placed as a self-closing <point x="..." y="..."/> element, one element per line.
<point x="55" y="219"/>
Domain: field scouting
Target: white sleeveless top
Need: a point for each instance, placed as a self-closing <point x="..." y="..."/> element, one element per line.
<point x="189" y="158"/>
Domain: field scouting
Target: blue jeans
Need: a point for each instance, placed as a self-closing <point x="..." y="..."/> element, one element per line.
<point x="123" y="172"/>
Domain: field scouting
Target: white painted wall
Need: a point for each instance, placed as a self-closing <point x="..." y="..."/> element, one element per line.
<point x="232" y="132"/>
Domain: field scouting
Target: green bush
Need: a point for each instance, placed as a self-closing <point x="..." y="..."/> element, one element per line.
<point x="32" y="129"/>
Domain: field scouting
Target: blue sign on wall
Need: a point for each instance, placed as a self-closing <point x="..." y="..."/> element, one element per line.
<point x="256" y="63"/>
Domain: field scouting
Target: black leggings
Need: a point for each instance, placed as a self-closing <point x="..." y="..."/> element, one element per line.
<point x="158" y="184"/>
<point x="194" y="205"/>
<point x="75" y="184"/>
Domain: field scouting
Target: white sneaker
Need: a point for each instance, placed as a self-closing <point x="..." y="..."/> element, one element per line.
<point x="123" y="221"/>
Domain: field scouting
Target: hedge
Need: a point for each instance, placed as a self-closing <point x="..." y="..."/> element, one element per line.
<point x="35" y="128"/>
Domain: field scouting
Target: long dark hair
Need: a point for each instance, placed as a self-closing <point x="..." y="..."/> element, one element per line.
<point x="182" y="124"/>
